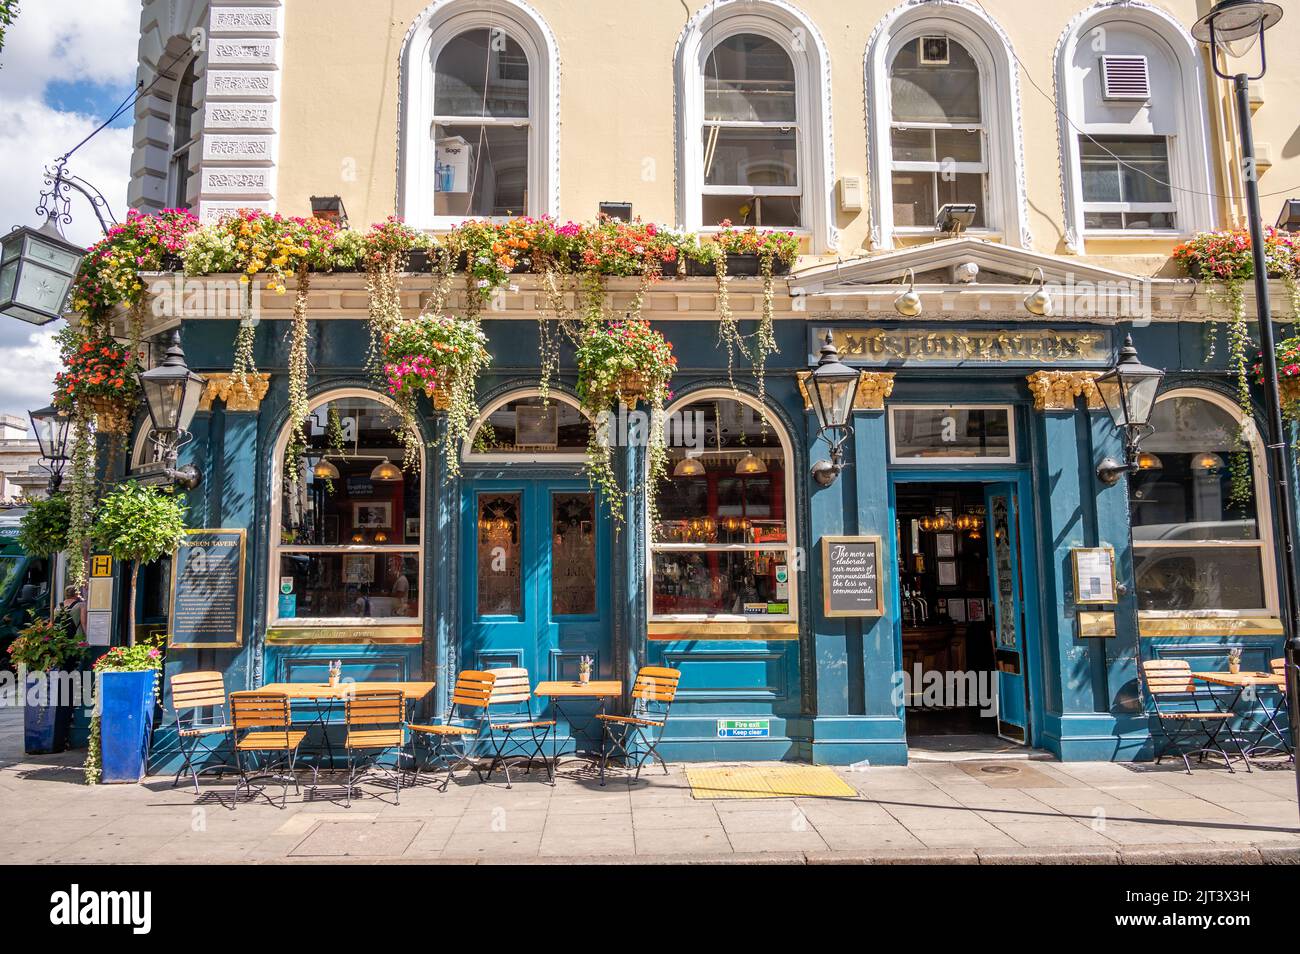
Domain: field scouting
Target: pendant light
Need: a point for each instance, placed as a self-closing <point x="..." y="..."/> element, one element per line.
<point x="750" y="465"/>
<point x="689" y="467"/>
<point x="386" y="472"/>
<point x="1039" y="302"/>
<point x="908" y="304"/>
<point x="324" y="470"/>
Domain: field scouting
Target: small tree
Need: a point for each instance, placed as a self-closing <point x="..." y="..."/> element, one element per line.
<point x="139" y="524"/>
<point x="44" y="527"/>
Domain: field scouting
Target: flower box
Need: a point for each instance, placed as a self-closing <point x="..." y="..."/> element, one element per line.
<point x="126" y="724"/>
<point x="741" y="265"/>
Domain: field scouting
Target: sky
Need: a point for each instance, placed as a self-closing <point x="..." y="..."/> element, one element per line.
<point x="65" y="66"/>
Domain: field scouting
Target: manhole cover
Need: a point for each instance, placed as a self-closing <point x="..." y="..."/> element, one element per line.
<point x="999" y="770"/>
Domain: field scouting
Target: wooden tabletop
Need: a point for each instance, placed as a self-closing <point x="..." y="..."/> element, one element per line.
<point x="596" y="689"/>
<point x="1239" y="679"/>
<point x="321" y="690"/>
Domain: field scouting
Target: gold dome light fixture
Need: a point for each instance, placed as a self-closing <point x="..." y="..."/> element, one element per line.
<point x="386" y="472"/>
<point x="324" y="470"/>
<point x="1039" y="302"/>
<point x="1207" y="463"/>
<point x="909" y="304"/>
<point x="689" y="467"/>
<point x="1149" y="461"/>
<point x="749" y="465"/>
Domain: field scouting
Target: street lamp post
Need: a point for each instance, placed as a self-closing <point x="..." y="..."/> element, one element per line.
<point x="51" y="428"/>
<point x="1129" y="392"/>
<point x="172" y="392"/>
<point x="1233" y="27"/>
<point x="832" y="388"/>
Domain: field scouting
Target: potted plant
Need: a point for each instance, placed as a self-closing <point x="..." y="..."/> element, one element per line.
<point x="1288" y="376"/>
<point x="98" y="375"/>
<point x="126" y="695"/>
<point x="623" y="362"/>
<point x="45" y="652"/>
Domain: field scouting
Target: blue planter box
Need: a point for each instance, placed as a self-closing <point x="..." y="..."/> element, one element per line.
<point x="45" y="727"/>
<point x="126" y="724"/>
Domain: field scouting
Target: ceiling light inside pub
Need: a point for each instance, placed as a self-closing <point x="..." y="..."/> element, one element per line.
<point x="749" y="464"/>
<point x="386" y="472"/>
<point x="324" y="470"/>
<point x="689" y="467"/>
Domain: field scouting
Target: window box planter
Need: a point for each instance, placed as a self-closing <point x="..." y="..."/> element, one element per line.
<point x="743" y="266"/>
<point x="45" y="726"/>
<point x="126" y="724"/>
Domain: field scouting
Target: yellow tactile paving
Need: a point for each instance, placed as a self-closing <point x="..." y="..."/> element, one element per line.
<point x="766" y="781"/>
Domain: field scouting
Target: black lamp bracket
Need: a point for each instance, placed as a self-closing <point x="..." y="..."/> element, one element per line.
<point x="56" y="201"/>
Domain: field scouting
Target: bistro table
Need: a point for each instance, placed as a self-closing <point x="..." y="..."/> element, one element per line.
<point x="325" y="696"/>
<point x="600" y="689"/>
<point x="1241" y="681"/>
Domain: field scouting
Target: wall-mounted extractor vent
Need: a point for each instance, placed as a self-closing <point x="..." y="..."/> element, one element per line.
<point x="1125" y="78"/>
<point x="934" y="51"/>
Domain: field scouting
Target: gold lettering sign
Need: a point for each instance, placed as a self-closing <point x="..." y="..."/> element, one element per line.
<point x="967" y="346"/>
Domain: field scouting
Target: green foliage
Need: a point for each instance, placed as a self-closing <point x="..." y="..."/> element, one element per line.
<point x="8" y="10"/>
<point x="138" y="523"/>
<point x="44" y="528"/>
<point x="44" y="645"/>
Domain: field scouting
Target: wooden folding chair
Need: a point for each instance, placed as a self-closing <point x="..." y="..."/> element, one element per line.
<point x="1273" y="715"/>
<point x="375" y="720"/>
<point x="266" y="724"/>
<point x="466" y="720"/>
<point x="652" y="696"/>
<point x="199" y="701"/>
<point x="1186" y="731"/>
<point x="513" y="691"/>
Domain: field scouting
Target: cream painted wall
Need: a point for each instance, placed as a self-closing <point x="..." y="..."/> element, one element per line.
<point x="340" y="106"/>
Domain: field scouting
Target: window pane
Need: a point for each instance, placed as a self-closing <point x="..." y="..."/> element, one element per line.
<point x="481" y="170"/>
<point x="726" y="480"/>
<point x="1199" y="578"/>
<point x="500" y="544"/>
<point x="730" y="582"/>
<point x="1186" y="494"/>
<point x="1101" y="181"/>
<point x="914" y="199"/>
<point x="1125" y="169"/>
<point x="772" y="211"/>
<point x="351" y="436"/>
<point x="750" y="157"/>
<point x="970" y="433"/>
<point x="184" y="107"/>
<point x="573" y="555"/>
<point x="913" y="145"/>
<point x="529" y="426"/>
<point x="926" y="93"/>
<point x="959" y="145"/>
<point x="481" y="73"/>
<point x="963" y="188"/>
<point x="375" y="585"/>
<point x="749" y="78"/>
<point x="1103" y="220"/>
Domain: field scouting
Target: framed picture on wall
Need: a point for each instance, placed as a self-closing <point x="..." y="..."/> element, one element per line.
<point x="947" y="573"/>
<point x="975" y="611"/>
<point x="372" y="515"/>
<point x="945" y="545"/>
<point x="412" y="526"/>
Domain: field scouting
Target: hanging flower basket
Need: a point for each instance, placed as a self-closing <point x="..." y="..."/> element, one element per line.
<point x="111" y="417"/>
<point x="439" y="392"/>
<point x="632" y="386"/>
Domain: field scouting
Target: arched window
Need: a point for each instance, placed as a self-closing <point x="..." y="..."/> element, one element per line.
<point x="944" y="104"/>
<point x="347" y="542"/>
<point x="480" y="114"/>
<point x="723" y="548"/>
<point x="184" y="137"/>
<point x="753" y="121"/>
<point x="1197" y="546"/>
<point x="1135" y="144"/>
<point x="522" y="426"/>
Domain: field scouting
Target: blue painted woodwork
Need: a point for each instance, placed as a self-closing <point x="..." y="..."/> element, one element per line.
<point x="125" y="724"/>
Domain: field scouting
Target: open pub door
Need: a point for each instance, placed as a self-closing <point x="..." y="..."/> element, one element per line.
<point x="1007" y="623"/>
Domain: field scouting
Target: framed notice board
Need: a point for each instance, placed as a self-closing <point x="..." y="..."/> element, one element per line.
<point x="851" y="576"/>
<point x="207" y="605"/>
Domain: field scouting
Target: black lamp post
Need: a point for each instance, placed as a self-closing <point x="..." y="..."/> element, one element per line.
<point x="172" y="392"/>
<point x="52" y="429"/>
<point x="1233" y="27"/>
<point x="832" y="388"/>
<point x="1129" y="392"/>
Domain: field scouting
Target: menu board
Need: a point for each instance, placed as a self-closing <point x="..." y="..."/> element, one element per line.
<point x="1094" y="575"/>
<point x="207" y="610"/>
<point x="851" y="577"/>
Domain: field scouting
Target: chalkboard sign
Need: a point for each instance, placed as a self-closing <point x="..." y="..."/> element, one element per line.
<point x="207" y="610"/>
<point x="851" y="576"/>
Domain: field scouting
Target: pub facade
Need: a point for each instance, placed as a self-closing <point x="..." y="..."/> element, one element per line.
<point x="965" y="573"/>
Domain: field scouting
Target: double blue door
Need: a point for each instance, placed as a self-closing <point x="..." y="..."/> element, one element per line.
<point x="536" y="577"/>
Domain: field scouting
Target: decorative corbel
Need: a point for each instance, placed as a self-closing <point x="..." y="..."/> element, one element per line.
<point x="873" y="388"/>
<point x="226" y="388"/>
<point x="1058" y="390"/>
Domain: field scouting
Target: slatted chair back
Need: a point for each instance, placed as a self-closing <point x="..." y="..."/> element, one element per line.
<point x="1278" y="666"/>
<point x="512" y="692"/>
<point x="262" y="712"/>
<point x="376" y="707"/>
<point x="655" y="688"/>
<point x="195" y="692"/>
<point x="472" y="691"/>
<point x="1168" y="677"/>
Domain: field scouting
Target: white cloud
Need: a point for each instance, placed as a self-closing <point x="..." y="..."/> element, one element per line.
<point x="69" y="41"/>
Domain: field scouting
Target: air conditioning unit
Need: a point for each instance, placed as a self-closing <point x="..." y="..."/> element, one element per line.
<point x="934" y="51"/>
<point x="1125" y="78"/>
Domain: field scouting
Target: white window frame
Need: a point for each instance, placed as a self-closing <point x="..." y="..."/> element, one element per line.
<point x="791" y="529"/>
<point x="1006" y="214"/>
<point x="1136" y="208"/>
<point x="1189" y="149"/>
<point x="469" y="455"/>
<point x="1011" y="457"/>
<point x="273" y="620"/>
<point x="1263" y="541"/>
<point x="178" y="178"/>
<point x="441" y="22"/>
<point x="795" y="33"/>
